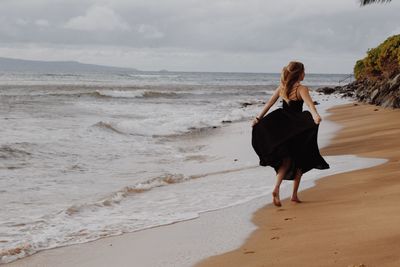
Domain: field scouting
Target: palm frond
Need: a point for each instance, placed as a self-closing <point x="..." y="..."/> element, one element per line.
<point x="367" y="2"/>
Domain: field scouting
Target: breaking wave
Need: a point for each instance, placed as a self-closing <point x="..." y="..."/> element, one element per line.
<point x="69" y="218"/>
<point x="118" y="196"/>
<point x="11" y="152"/>
<point x="162" y="180"/>
<point x="107" y="126"/>
<point x="135" y="94"/>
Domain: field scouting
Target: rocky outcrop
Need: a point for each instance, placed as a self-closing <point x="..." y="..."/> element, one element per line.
<point x="385" y="93"/>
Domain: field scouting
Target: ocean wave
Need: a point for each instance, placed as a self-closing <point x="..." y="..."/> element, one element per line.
<point x="167" y="94"/>
<point x="60" y="75"/>
<point x="12" y="152"/>
<point x="175" y="125"/>
<point x="21" y="250"/>
<point x="17" y="252"/>
<point x="159" y="181"/>
<point x="163" y="75"/>
<point x="134" y="94"/>
<point x="71" y="231"/>
<point x="138" y="128"/>
<point x="98" y="94"/>
<point x="162" y="180"/>
<point x="107" y="126"/>
<point x="118" y="196"/>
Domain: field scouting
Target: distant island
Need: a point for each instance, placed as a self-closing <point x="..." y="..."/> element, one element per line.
<point x="22" y="65"/>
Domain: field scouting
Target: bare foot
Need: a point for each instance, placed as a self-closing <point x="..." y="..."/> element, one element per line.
<point x="275" y="199"/>
<point x="295" y="199"/>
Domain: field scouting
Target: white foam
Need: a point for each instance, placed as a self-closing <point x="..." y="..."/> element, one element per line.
<point x="121" y="93"/>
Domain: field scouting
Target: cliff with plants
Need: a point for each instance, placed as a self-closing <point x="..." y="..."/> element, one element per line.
<point x="377" y="76"/>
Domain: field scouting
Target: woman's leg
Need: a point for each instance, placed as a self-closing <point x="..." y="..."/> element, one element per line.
<point x="296" y="184"/>
<point x="279" y="177"/>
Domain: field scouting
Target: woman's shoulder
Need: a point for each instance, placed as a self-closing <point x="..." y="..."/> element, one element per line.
<point x="300" y="89"/>
<point x="303" y="88"/>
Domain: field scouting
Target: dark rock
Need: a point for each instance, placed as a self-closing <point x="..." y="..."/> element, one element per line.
<point x="384" y="92"/>
<point x="389" y="102"/>
<point x="374" y="94"/>
<point x="226" y="121"/>
<point x="395" y="82"/>
<point x="245" y="104"/>
<point x="348" y="94"/>
<point x="326" y="90"/>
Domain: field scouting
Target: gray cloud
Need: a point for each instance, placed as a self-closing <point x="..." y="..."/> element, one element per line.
<point x="214" y="35"/>
<point x="97" y="18"/>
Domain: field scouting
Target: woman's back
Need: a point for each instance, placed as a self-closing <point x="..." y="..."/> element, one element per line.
<point x="293" y="105"/>
<point x="294" y="101"/>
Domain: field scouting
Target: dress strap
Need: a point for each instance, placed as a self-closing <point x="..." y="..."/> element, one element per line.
<point x="295" y="92"/>
<point x="297" y="87"/>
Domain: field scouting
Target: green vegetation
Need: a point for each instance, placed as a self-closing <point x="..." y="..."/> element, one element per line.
<point x="381" y="62"/>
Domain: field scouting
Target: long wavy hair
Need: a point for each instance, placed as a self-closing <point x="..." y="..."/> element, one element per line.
<point x="289" y="76"/>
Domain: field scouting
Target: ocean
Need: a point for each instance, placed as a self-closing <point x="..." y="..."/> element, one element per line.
<point x="90" y="155"/>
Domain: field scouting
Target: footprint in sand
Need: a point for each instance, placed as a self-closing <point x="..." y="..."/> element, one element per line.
<point x="249" y="252"/>
<point x="275" y="238"/>
<point x="289" y="218"/>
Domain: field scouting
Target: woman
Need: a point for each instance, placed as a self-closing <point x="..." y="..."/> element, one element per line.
<point x="286" y="139"/>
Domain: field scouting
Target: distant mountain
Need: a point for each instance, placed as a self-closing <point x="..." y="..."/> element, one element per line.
<point x="21" y="65"/>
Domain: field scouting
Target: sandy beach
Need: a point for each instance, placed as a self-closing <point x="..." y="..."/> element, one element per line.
<point x="349" y="219"/>
<point x="333" y="227"/>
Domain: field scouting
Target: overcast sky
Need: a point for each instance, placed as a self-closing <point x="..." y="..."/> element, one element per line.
<point x="197" y="35"/>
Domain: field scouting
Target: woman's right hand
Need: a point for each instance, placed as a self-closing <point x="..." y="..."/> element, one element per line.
<point x="254" y="122"/>
<point x="317" y="118"/>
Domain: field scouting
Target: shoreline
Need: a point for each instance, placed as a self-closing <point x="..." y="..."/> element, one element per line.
<point x="347" y="219"/>
<point x="204" y="228"/>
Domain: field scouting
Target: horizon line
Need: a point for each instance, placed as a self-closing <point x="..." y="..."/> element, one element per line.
<point x="161" y="70"/>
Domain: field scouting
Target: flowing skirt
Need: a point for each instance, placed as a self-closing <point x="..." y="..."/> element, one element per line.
<point x="288" y="134"/>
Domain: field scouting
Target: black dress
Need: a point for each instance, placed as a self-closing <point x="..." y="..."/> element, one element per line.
<point x="288" y="132"/>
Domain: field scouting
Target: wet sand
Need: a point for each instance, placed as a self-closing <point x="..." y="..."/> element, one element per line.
<point x="348" y="219"/>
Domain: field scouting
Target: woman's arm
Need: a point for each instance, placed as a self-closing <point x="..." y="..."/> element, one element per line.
<point x="267" y="106"/>
<point x="305" y="95"/>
